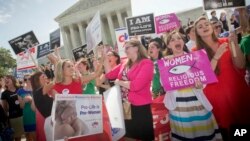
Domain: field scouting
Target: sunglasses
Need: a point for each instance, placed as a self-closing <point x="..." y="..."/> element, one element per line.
<point x="218" y="26"/>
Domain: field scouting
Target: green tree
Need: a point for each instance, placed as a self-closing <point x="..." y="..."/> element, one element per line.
<point x="7" y="62"/>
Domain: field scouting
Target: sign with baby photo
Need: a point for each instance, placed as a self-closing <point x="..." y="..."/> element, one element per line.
<point x="167" y="22"/>
<point x="182" y="71"/>
<point x="76" y="116"/>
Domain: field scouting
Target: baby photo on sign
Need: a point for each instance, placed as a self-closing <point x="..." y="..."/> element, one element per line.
<point x="67" y="124"/>
<point x="23" y="42"/>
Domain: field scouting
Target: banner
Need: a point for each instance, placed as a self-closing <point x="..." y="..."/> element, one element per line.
<point x="80" y="52"/>
<point x="43" y="50"/>
<point x="26" y="59"/>
<point x="76" y="115"/>
<point x="55" y="39"/>
<point x="167" y="22"/>
<point x="94" y="32"/>
<point x="113" y="102"/>
<point x="161" y="121"/>
<point x="121" y="37"/>
<point x="182" y="71"/>
<point x="220" y="4"/>
<point x="23" y="42"/>
<point x="140" y="25"/>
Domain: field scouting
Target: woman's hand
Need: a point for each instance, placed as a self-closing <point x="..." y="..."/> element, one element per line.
<point x="117" y="82"/>
<point x="220" y="51"/>
<point x="198" y="84"/>
<point x="233" y="37"/>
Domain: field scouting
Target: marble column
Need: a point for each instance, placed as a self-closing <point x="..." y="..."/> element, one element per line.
<point x="73" y="36"/>
<point x="129" y="13"/>
<point x="119" y="17"/>
<point x="111" y="27"/>
<point x="66" y="42"/>
<point x="81" y="32"/>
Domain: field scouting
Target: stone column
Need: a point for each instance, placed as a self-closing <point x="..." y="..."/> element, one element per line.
<point x="111" y="27"/>
<point x="129" y="13"/>
<point x="73" y="36"/>
<point x="104" y="40"/>
<point x="81" y="31"/>
<point x="119" y="17"/>
<point x="67" y="48"/>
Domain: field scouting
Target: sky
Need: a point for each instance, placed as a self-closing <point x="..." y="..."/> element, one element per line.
<point x="21" y="16"/>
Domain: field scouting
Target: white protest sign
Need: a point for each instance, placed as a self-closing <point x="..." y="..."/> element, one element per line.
<point x="121" y="37"/>
<point x="113" y="102"/>
<point x="25" y="59"/>
<point x="93" y="32"/>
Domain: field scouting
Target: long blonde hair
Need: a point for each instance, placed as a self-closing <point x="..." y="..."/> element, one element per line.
<point x="141" y="54"/>
<point x="59" y="77"/>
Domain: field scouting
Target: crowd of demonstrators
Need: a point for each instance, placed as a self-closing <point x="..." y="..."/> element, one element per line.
<point x="228" y="98"/>
<point x="186" y="104"/>
<point x="219" y="105"/>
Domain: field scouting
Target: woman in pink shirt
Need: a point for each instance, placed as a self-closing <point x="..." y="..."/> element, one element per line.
<point x="135" y="78"/>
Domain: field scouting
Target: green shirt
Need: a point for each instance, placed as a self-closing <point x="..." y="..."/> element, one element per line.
<point x="89" y="88"/>
<point x="245" y="47"/>
<point x="29" y="116"/>
<point x="156" y="88"/>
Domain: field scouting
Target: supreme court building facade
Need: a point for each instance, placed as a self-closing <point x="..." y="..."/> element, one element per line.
<point x="73" y="21"/>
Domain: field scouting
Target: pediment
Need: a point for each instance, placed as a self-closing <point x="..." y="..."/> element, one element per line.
<point x="81" y="5"/>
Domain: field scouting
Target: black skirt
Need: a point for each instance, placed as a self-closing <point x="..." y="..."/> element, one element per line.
<point x="141" y="125"/>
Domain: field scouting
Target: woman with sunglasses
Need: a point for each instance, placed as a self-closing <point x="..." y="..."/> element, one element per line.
<point x="135" y="78"/>
<point x="26" y="102"/>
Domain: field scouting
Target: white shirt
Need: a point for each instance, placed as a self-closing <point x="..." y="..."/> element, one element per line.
<point x="190" y="44"/>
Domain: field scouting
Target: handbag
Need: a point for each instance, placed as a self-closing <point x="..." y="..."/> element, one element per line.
<point x="127" y="110"/>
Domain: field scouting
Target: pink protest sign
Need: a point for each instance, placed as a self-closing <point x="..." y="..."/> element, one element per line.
<point x="166" y="22"/>
<point x="182" y="71"/>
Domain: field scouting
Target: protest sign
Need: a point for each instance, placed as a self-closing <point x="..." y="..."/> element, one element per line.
<point x="182" y="71"/>
<point x="76" y="115"/>
<point x="25" y="59"/>
<point x="167" y="22"/>
<point x="80" y="52"/>
<point x="113" y="102"/>
<point x="93" y="32"/>
<point x="140" y="25"/>
<point x="55" y="39"/>
<point x="43" y="50"/>
<point x="220" y="4"/>
<point x="23" y="42"/>
<point x="19" y="74"/>
<point x="121" y="37"/>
